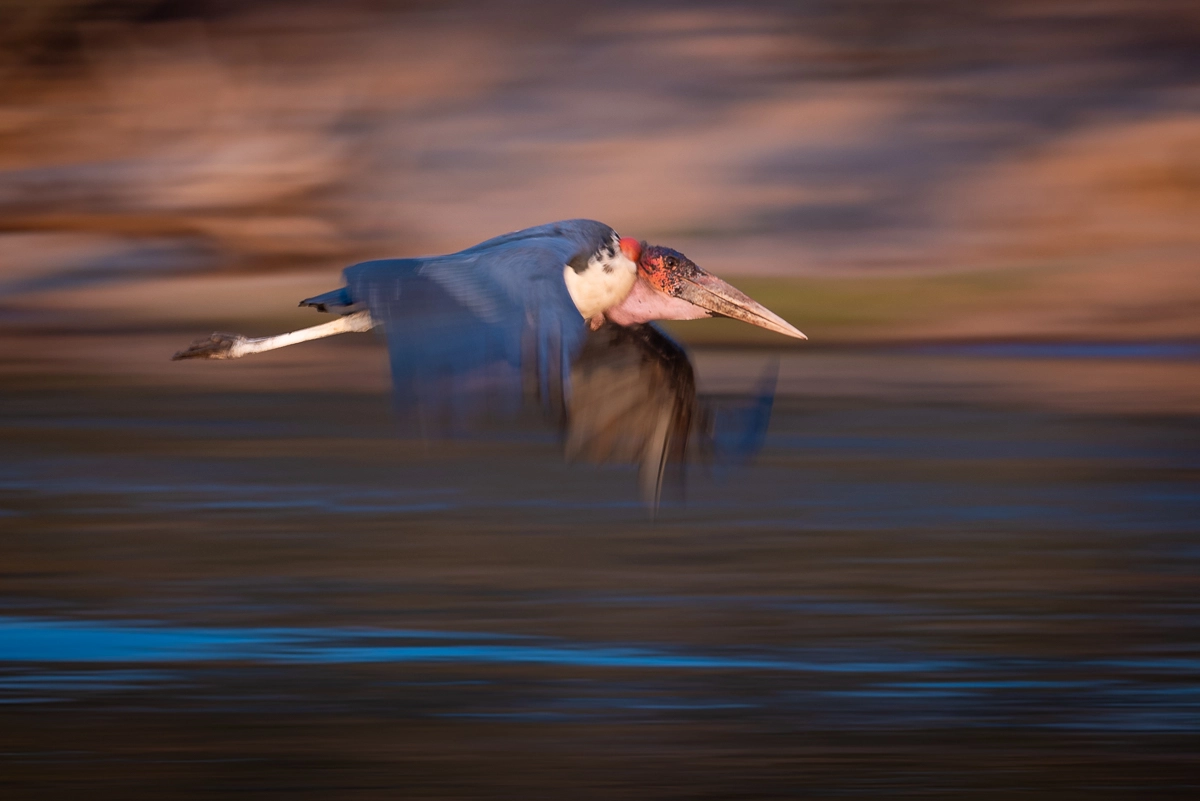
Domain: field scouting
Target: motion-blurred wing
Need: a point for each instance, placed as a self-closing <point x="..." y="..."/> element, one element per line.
<point x="478" y="333"/>
<point x="634" y="401"/>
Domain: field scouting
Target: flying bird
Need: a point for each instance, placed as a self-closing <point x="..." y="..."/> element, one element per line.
<point x="558" y="313"/>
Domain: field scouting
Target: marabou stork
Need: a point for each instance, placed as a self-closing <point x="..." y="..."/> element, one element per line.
<point x="558" y="313"/>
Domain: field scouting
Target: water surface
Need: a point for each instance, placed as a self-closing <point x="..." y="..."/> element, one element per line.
<point x="235" y="593"/>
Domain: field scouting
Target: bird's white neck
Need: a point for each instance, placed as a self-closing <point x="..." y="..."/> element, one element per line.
<point x="604" y="281"/>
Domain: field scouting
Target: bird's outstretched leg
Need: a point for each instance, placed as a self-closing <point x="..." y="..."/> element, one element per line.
<point x="235" y="346"/>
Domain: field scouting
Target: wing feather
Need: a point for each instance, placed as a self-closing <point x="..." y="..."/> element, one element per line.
<point x="634" y="401"/>
<point x="477" y="333"/>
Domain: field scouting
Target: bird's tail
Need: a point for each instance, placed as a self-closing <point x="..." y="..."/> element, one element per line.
<point x="337" y="301"/>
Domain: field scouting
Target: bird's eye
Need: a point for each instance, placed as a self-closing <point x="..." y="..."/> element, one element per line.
<point x="671" y="262"/>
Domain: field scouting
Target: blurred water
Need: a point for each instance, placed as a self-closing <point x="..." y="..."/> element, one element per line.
<point x="1189" y="351"/>
<point x="231" y="593"/>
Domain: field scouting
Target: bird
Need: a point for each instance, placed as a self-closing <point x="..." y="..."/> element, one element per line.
<point x="558" y="317"/>
<point x="634" y="401"/>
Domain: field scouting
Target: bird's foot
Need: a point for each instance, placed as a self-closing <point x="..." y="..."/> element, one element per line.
<point x="214" y="346"/>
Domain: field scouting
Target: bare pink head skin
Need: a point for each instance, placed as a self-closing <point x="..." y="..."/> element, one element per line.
<point x="670" y="286"/>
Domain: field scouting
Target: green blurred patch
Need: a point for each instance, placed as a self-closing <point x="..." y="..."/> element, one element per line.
<point x="874" y="308"/>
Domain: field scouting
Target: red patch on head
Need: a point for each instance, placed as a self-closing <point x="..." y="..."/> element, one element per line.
<point x="664" y="268"/>
<point x="631" y="248"/>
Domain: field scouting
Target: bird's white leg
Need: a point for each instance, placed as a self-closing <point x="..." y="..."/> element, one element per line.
<point x="235" y="346"/>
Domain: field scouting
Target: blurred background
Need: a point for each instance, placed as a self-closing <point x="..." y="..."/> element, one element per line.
<point x="965" y="563"/>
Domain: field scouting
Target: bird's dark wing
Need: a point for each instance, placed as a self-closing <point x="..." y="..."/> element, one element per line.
<point x="481" y="332"/>
<point x="634" y="401"/>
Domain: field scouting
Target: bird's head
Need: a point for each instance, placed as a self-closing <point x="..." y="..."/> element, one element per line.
<point x="680" y="290"/>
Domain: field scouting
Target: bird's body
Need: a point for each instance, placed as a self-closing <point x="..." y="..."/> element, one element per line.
<point x="484" y="330"/>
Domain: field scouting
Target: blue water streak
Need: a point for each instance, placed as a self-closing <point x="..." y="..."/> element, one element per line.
<point x="25" y="640"/>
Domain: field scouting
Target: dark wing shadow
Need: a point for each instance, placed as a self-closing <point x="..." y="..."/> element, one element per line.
<point x="634" y="401"/>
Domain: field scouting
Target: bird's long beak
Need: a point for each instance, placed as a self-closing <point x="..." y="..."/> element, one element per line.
<point x="709" y="292"/>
